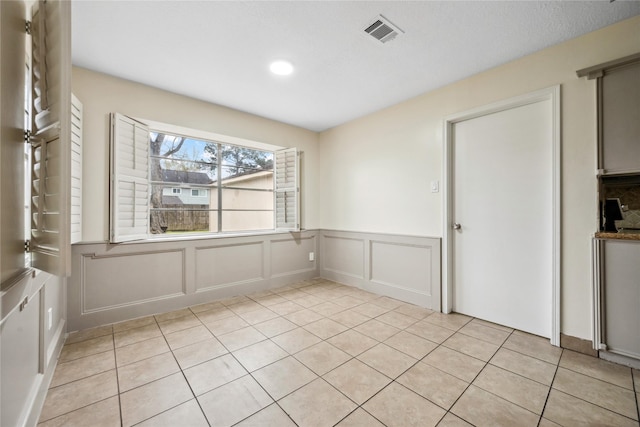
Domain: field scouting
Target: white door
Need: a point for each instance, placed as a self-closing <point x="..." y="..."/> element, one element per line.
<point x="502" y="199"/>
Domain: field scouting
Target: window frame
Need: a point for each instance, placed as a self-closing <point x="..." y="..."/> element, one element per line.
<point x="215" y="138"/>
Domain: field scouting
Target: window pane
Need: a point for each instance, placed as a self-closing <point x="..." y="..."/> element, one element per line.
<point x="183" y="221"/>
<point x="247" y="221"/>
<point x="170" y="204"/>
<point x="179" y="171"/>
<point x="182" y="160"/>
<point x="260" y="179"/>
<point x="169" y="197"/>
<point x="185" y="187"/>
<point x="246" y="199"/>
<point x="181" y="148"/>
<point x="237" y="161"/>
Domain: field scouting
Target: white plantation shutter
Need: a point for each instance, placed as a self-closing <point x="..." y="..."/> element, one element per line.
<point x="51" y="135"/>
<point x="50" y="72"/>
<point x="45" y="200"/>
<point x="41" y="112"/>
<point x="130" y="190"/>
<point x="76" y="170"/>
<point x="287" y="190"/>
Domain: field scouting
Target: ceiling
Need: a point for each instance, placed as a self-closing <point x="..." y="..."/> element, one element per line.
<point x="219" y="51"/>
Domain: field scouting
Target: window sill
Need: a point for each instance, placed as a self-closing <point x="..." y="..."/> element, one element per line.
<point x="166" y="239"/>
<point x="178" y="238"/>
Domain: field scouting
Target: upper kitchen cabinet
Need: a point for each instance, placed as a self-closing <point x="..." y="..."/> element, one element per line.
<point x="618" y="85"/>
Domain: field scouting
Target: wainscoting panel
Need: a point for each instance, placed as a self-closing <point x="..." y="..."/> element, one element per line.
<point x="226" y="265"/>
<point x="402" y="267"/>
<point x="114" y="279"/>
<point x="112" y="283"/>
<point x="292" y="255"/>
<point x="343" y="257"/>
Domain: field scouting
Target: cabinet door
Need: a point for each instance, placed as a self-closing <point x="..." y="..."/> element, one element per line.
<point x="20" y="367"/>
<point x="622" y="297"/>
<point x="620" y="119"/>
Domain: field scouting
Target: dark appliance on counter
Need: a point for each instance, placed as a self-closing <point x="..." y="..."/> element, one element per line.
<point x="612" y="212"/>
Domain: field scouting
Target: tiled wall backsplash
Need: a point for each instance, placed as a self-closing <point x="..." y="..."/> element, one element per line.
<point x="630" y="196"/>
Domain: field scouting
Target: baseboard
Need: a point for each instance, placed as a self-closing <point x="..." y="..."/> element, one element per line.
<point x="577" y="344"/>
<point x="620" y="359"/>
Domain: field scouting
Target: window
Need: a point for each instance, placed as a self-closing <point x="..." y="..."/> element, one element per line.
<point x="239" y="180"/>
<point x="197" y="185"/>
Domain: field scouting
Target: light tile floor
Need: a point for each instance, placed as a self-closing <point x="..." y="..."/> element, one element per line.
<point x="317" y="353"/>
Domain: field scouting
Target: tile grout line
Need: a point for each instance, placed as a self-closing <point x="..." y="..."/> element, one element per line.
<point x="157" y="379"/>
<point x="185" y="379"/>
<point x="115" y="362"/>
<point x="544" y="408"/>
<point x="517" y="374"/>
<point x="249" y="373"/>
<point x="632" y="389"/>
<point x="615" y="412"/>
<point x="636" y="393"/>
<point x="471" y="382"/>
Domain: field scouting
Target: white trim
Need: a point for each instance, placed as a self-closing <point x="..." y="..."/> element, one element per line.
<point x="207" y="136"/>
<point x="596" y="296"/>
<point x="552" y="94"/>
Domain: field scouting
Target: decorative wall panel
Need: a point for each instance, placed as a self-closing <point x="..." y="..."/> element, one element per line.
<point x="343" y="256"/>
<point x="226" y="265"/>
<point x="292" y="255"/>
<point x="402" y="267"/>
<point x="116" y="280"/>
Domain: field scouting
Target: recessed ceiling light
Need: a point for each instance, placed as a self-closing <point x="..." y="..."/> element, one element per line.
<point x="281" y="68"/>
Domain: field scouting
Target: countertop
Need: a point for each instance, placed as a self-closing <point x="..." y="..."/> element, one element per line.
<point x="618" y="236"/>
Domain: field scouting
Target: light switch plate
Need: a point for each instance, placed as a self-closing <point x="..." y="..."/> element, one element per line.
<point x="435" y="186"/>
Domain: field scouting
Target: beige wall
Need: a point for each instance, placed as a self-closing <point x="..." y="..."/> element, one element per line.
<point x="101" y="94"/>
<point x="375" y="171"/>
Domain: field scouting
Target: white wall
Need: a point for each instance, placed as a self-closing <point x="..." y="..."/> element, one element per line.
<point x="375" y="171"/>
<point x="102" y="94"/>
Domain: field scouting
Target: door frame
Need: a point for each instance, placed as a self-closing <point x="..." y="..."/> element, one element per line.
<point x="552" y="94"/>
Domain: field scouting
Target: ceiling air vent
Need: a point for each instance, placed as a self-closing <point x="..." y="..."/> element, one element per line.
<point x="383" y="30"/>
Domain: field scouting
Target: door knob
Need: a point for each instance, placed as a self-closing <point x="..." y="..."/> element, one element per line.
<point x="456" y="226"/>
